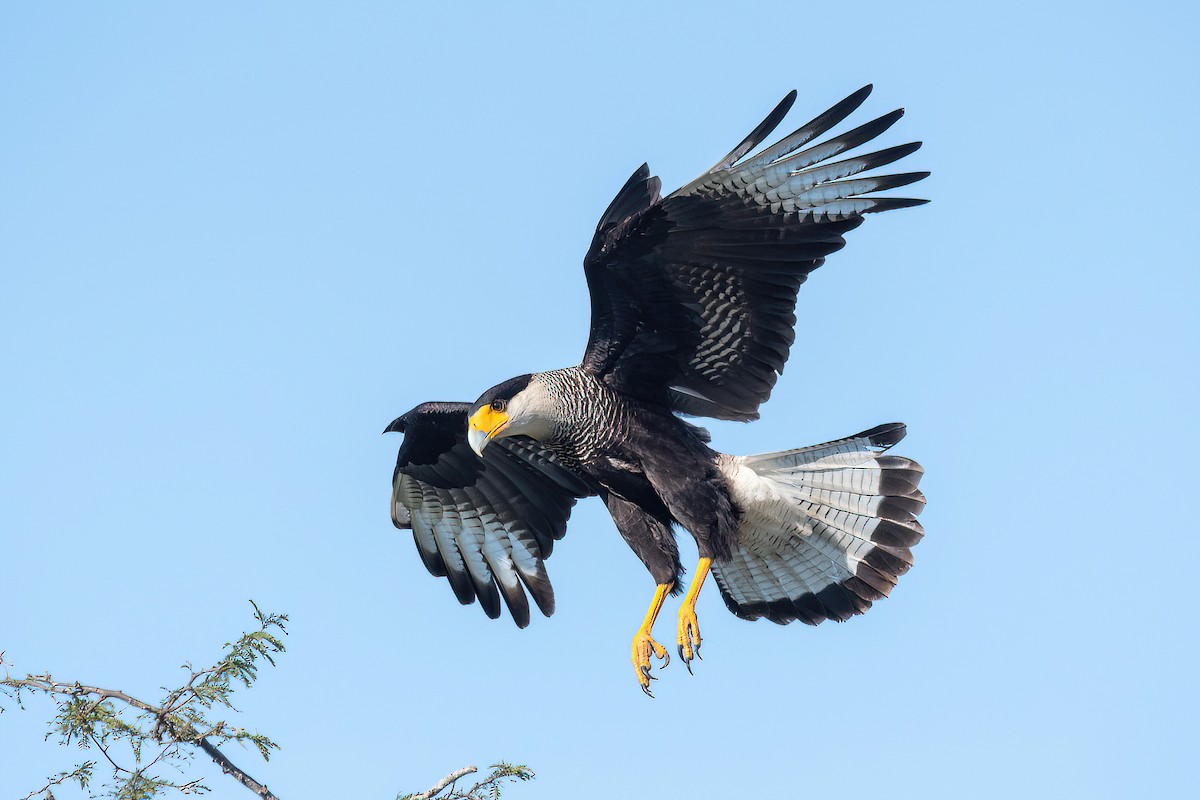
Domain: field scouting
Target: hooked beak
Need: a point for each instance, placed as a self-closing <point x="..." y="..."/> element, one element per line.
<point x="483" y="427"/>
<point x="478" y="440"/>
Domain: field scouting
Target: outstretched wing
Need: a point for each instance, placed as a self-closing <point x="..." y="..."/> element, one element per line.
<point x="694" y="296"/>
<point x="485" y="524"/>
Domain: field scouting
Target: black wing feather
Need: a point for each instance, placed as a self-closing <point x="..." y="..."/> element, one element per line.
<point x="693" y="296"/>
<point x="756" y="136"/>
<point x="485" y="524"/>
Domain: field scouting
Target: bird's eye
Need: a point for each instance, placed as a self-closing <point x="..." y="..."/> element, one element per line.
<point x="498" y="405"/>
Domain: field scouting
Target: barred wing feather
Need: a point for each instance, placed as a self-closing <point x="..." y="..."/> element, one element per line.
<point x="694" y="296"/>
<point x="485" y="524"/>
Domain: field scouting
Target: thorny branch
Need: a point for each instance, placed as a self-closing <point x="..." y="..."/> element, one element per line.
<point x="92" y="716"/>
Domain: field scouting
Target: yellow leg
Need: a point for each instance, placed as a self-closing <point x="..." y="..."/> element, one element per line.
<point x="689" y="625"/>
<point x="644" y="644"/>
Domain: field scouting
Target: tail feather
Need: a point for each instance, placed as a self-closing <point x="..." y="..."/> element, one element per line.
<point x="824" y="532"/>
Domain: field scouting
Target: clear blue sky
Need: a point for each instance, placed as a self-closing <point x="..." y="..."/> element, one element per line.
<point x="236" y="240"/>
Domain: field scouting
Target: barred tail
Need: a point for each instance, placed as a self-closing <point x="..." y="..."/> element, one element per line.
<point x="824" y="530"/>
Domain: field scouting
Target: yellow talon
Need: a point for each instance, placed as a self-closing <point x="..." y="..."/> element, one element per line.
<point x="689" y="625"/>
<point x="644" y="644"/>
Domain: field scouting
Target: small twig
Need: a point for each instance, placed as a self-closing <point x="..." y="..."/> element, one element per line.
<point x="83" y="769"/>
<point x="104" y="752"/>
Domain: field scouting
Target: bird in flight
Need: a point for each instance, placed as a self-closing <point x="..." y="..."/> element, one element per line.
<point x="693" y="301"/>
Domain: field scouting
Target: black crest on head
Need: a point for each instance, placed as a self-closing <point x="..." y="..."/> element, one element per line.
<point x="502" y="391"/>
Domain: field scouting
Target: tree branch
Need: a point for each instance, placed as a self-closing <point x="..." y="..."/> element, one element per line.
<point x="238" y="774"/>
<point x="177" y="730"/>
<point x="486" y="789"/>
<point x="443" y="783"/>
<point x="92" y="715"/>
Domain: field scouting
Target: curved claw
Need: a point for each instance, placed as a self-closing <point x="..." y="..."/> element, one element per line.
<point x="689" y="635"/>
<point x="667" y="662"/>
<point x="687" y="662"/>
<point x="646" y="690"/>
<point x="644" y="649"/>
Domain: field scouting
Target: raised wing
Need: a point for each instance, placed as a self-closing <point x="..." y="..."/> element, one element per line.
<point x="694" y="296"/>
<point x="485" y="524"/>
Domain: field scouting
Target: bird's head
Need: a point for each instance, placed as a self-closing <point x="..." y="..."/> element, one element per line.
<point x="518" y="406"/>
